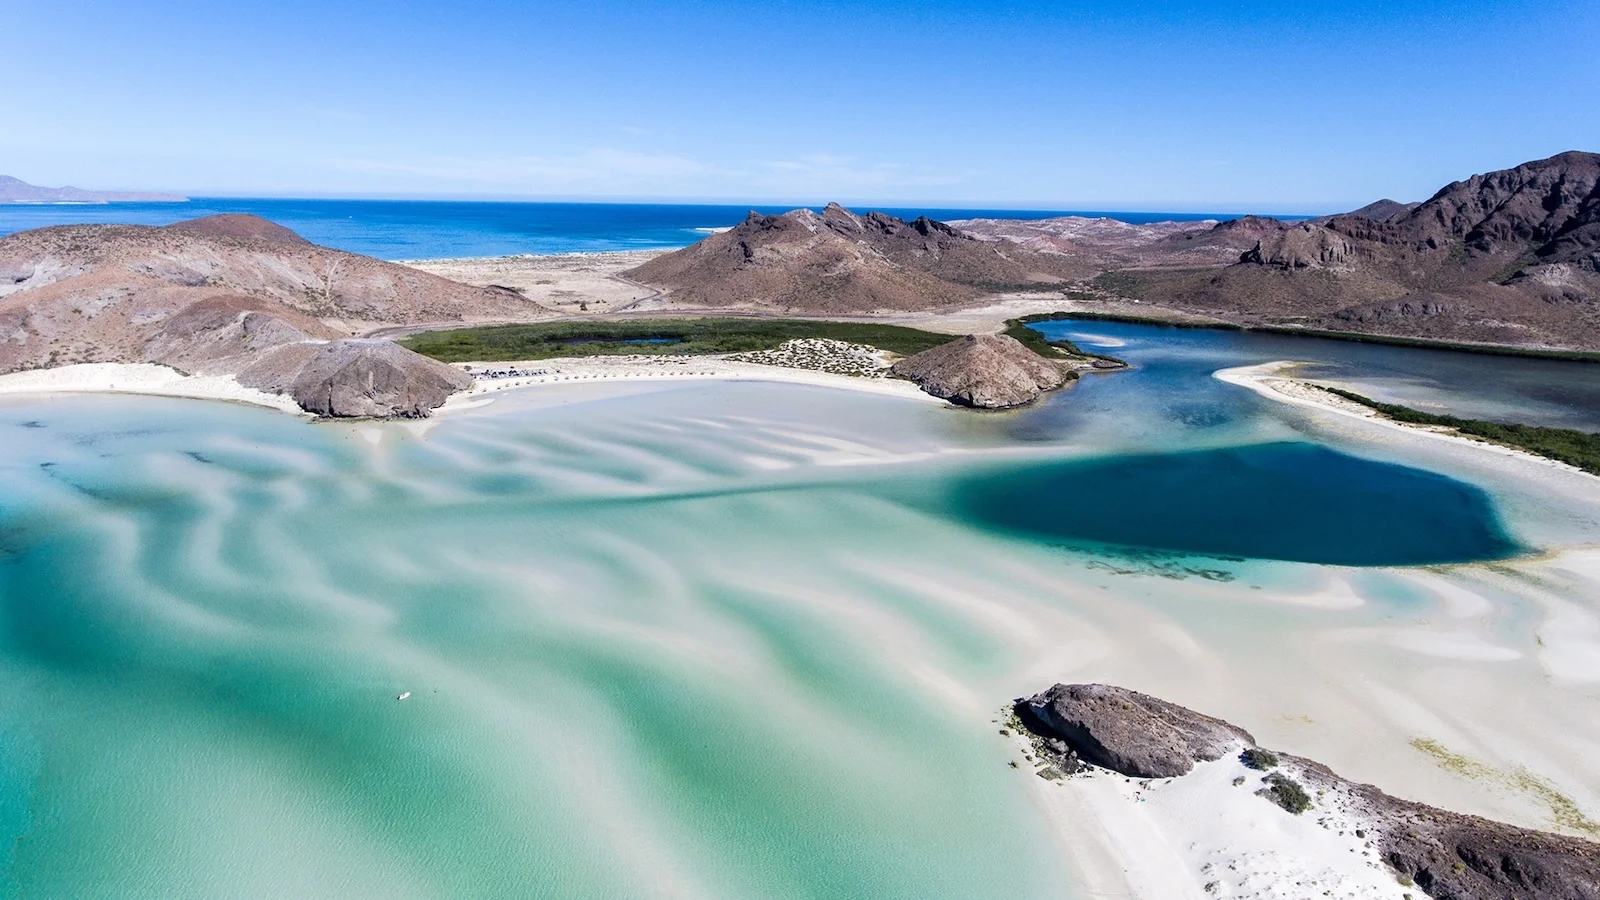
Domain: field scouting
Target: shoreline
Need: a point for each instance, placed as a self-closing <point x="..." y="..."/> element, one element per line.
<point x="152" y="380"/>
<point x="1273" y="381"/>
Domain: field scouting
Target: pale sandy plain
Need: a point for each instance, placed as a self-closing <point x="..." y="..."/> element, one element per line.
<point x="592" y="284"/>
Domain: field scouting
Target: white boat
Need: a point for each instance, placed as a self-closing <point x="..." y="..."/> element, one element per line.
<point x="403" y="696"/>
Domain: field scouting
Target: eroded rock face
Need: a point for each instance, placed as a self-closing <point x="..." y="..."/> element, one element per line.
<point x="356" y="379"/>
<point x="1132" y="733"/>
<point x="988" y="371"/>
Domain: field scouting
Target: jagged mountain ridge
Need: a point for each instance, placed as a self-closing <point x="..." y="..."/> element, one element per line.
<point x="1509" y="257"/>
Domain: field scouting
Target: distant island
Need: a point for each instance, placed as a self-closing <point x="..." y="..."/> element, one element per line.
<point x="15" y="190"/>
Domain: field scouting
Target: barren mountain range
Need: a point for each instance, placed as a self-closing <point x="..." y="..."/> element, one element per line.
<point x="15" y="190"/>
<point x="1509" y="257"/>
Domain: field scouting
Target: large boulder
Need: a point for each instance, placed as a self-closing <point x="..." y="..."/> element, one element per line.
<point x="1130" y="732"/>
<point x="356" y="378"/>
<point x="988" y="371"/>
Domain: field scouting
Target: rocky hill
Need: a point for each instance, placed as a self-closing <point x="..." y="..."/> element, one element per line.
<point x="842" y="263"/>
<point x="15" y="190"/>
<point x="987" y="371"/>
<point x="211" y="296"/>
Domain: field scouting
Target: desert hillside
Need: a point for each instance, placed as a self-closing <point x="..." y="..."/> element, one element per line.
<point x="1510" y="257"/>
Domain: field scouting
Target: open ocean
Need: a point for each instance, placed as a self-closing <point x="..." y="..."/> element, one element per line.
<point x="429" y="229"/>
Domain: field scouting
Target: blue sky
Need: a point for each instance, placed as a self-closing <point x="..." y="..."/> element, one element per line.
<point x="1279" y="106"/>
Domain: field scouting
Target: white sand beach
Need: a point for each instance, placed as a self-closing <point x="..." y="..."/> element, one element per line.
<point x="1207" y="835"/>
<point x="140" y="378"/>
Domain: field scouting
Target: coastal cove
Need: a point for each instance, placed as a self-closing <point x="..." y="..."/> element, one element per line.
<point x="649" y="629"/>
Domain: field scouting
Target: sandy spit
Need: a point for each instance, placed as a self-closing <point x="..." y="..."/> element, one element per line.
<point x="1275" y="381"/>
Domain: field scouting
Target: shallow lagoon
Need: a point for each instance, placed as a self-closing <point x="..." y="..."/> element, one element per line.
<point x="712" y="640"/>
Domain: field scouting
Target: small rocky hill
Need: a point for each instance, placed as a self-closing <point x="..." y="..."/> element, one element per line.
<point x="211" y="295"/>
<point x="839" y="262"/>
<point x="987" y="371"/>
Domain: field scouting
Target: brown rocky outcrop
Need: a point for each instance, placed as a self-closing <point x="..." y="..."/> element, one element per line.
<point x="988" y="371"/>
<point x="1303" y="246"/>
<point x="1129" y="732"/>
<point x="355" y="378"/>
<point x="1448" y="855"/>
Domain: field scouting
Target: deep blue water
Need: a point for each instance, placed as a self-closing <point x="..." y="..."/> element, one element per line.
<point x="428" y="229"/>
<point x="1287" y="501"/>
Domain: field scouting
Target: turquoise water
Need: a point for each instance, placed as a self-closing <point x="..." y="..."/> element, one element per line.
<point x="208" y="612"/>
<point x="430" y="229"/>
<point x="714" y="640"/>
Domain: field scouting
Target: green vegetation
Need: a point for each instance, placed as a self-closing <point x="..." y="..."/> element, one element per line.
<point x="1425" y="343"/>
<point x="1259" y="759"/>
<point x="1119" y="283"/>
<point x="1575" y="448"/>
<point x="673" y="337"/>
<point x="1038" y="343"/>
<point x="1286" y="792"/>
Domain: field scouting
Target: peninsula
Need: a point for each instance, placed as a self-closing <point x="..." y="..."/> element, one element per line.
<point x="15" y="190"/>
<point x="1315" y="833"/>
